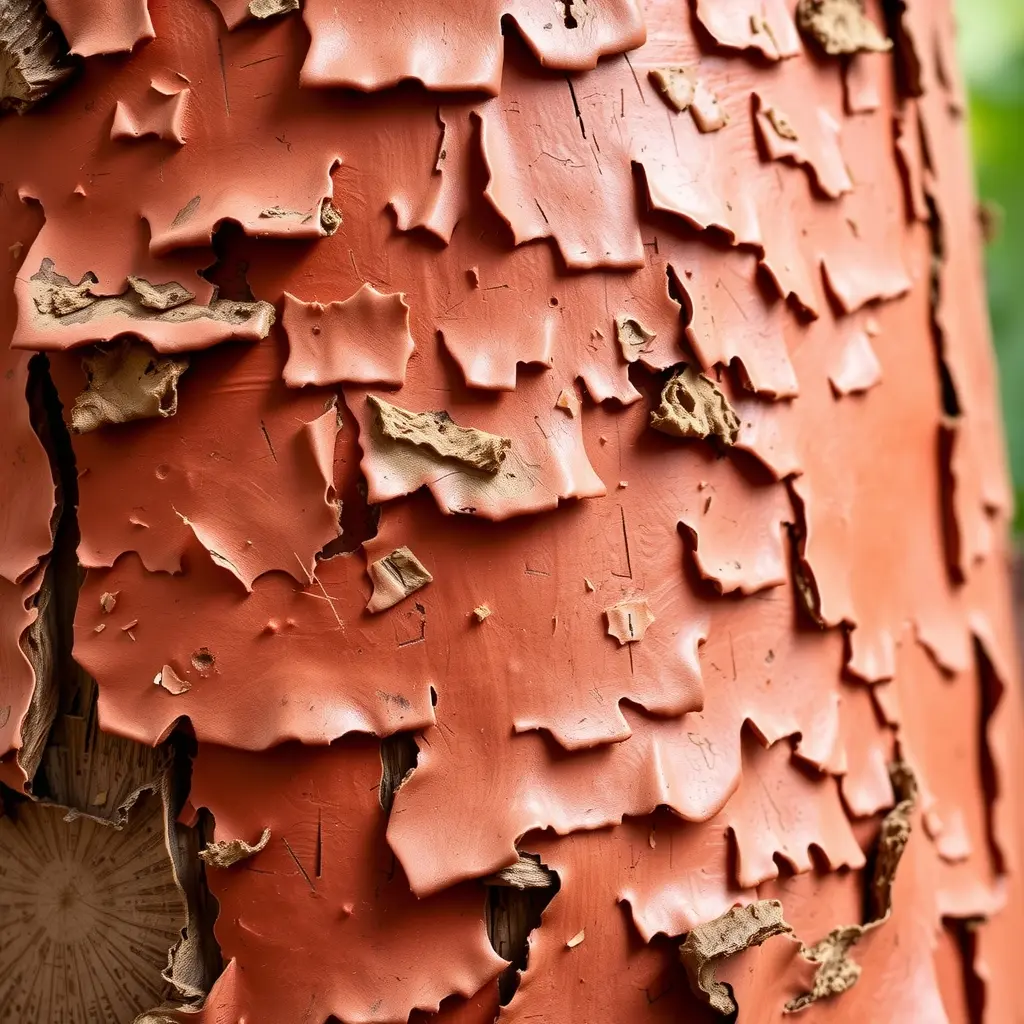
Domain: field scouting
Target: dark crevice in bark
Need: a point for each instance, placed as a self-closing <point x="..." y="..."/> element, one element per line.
<point x="81" y="767"/>
<point x="398" y="757"/>
<point x="950" y="400"/>
<point x="965" y="934"/>
<point x="991" y="695"/>
<point x="906" y="63"/>
<point x="359" y="518"/>
<point x="513" y="913"/>
<point x="808" y="602"/>
<point x="229" y="272"/>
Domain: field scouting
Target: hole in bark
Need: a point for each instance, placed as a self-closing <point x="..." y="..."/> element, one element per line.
<point x="203" y="660"/>
<point x="228" y="273"/>
<point x="511" y="915"/>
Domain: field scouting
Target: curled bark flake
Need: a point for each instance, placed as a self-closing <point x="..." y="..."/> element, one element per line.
<point x="127" y="381"/>
<point x="840" y="27"/>
<point x="634" y="338"/>
<point x="693" y="406"/>
<point x="628" y="621"/>
<point x="227" y="852"/>
<point x="158" y="113"/>
<point x="442" y="435"/>
<point x="33" y="55"/>
<point x="736" y="930"/>
<point x="394" y="578"/>
<point x="676" y="86"/>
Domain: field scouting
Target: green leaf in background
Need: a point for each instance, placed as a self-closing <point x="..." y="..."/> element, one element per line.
<point x="992" y="52"/>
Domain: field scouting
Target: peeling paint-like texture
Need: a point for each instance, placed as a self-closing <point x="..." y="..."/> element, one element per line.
<point x="327" y="875"/>
<point x="367" y="53"/>
<point x="107" y="26"/>
<point x="363" y="339"/>
<point x="585" y="483"/>
<point x="766" y="28"/>
<point x="232" y="410"/>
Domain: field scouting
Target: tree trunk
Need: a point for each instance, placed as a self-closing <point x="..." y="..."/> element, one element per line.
<point x="503" y="513"/>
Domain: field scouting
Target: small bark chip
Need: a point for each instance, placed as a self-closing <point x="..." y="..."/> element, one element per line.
<point x="628" y="621"/>
<point x="394" y="578"/>
<point x="676" y="85"/>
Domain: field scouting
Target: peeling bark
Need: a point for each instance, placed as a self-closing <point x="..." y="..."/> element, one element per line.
<point x="565" y="517"/>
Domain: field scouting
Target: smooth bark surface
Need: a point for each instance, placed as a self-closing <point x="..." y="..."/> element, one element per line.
<point x="494" y="488"/>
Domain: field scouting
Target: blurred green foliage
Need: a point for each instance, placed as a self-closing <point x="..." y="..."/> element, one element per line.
<point x="992" y="52"/>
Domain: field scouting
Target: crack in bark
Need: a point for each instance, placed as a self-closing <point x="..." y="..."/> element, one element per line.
<point x="92" y="773"/>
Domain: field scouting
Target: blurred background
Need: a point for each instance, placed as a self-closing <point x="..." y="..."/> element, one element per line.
<point x="992" y="52"/>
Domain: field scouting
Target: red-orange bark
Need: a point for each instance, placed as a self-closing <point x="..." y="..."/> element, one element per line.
<point x="634" y="357"/>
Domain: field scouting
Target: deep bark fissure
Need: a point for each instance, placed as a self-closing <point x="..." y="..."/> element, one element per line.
<point x="72" y="759"/>
<point x="512" y="914"/>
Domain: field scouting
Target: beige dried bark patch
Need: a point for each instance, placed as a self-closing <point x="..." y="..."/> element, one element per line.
<point x="33" y="55"/>
<point x="227" y="852"/>
<point x="628" y="621"/>
<point x="526" y="873"/>
<point x="160" y="296"/>
<point x="709" y="944"/>
<point x="781" y="124"/>
<point x="268" y="8"/>
<point x="676" y="86"/>
<point x="330" y="217"/>
<point x="60" y="301"/>
<point x="394" y="578"/>
<point x="127" y="381"/>
<point x="708" y="113"/>
<point x="836" y="971"/>
<point x="634" y="338"/>
<point x="693" y="406"/>
<point x="840" y="27"/>
<point x="439" y="433"/>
